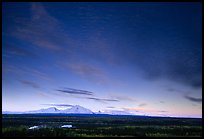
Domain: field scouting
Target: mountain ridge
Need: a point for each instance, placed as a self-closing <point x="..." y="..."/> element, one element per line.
<point x="76" y="109"/>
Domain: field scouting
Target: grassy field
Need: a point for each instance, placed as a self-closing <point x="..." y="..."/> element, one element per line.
<point x="100" y="126"/>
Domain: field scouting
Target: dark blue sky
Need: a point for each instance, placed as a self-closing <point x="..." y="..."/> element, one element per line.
<point x="144" y="58"/>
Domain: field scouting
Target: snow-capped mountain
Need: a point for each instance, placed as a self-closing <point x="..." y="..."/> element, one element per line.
<point x="77" y="109"/>
<point x="73" y="110"/>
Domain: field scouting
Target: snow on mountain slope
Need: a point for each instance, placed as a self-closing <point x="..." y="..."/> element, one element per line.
<point x="73" y="110"/>
<point x="77" y="109"/>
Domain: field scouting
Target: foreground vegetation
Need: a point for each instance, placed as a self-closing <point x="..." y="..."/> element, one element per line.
<point x="100" y="126"/>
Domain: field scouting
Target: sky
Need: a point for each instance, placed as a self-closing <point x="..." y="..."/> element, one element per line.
<point x="142" y="58"/>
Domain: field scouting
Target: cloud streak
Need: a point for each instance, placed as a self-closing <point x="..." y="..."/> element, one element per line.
<point x="89" y="72"/>
<point x="39" y="74"/>
<point x="110" y="107"/>
<point x="42" y="30"/>
<point x="163" y="111"/>
<point x="75" y="91"/>
<point x="22" y="71"/>
<point x="180" y="62"/>
<point x="123" y="98"/>
<point x="142" y="104"/>
<point x="193" y="99"/>
<point x="85" y="95"/>
<point x="29" y="83"/>
<point x="16" y="50"/>
<point x="59" y="105"/>
<point x="103" y="99"/>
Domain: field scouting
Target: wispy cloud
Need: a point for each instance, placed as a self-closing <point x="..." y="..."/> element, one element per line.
<point x="98" y="44"/>
<point x="161" y="102"/>
<point x="179" y="64"/>
<point x="15" y="50"/>
<point x="171" y="89"/>
<point x="59" y="105"/>
<point x="138" y="109"/>
<point x="45" y="31"/>
<point x="29" y="83"/>
<point x="21" y="70"/>
<point x="110" y="107"/>
<point x="39" y="74"/>
<point x="39" y="29"/>
<point x="84" y="95"/>
<point x="123" y="97"/>
<point x="193" y="99"/>
<point x="47" y="95"/>
<point x="142" y="104"/>
<point x="103" y="99"/>
<point x="163" y="111"/>
<point x="75" y="91"/>
<point x="8" y="68"/>
<point x="88" y="72"/>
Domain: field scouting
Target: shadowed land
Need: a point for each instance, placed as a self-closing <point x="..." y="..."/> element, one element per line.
<point x="100" y="126"/>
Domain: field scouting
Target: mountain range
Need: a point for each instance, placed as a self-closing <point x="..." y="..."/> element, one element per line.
<point x="73" y="110"/>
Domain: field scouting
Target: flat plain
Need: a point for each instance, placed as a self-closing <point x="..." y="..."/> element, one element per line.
<point x="96" y="125"/>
